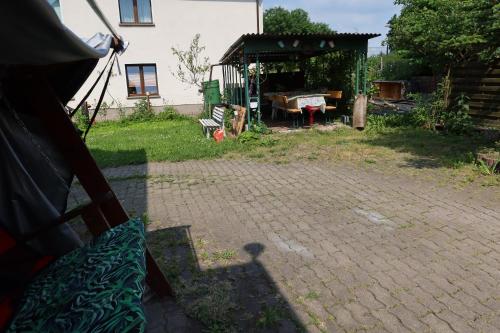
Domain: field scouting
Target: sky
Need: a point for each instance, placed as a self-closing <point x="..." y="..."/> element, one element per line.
<point x="347" y="15"/>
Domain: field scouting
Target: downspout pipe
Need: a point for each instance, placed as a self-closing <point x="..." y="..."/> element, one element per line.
<point x="257" y="2"/>
<point x="211" y="70"/>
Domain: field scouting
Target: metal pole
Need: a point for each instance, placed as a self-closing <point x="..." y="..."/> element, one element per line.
<point x="257" y="65"/>
<point x="356" y="88"/>
<point x="365" y="72"/>
<point x="258" y="16"/>
<point x="240" y="89"/>
<point x="230" y="71"/>
<point x="237" y="85"/>
<point x="247" y="97"/>
<point x="224" y="82"/>
<point x="234" y="85"/>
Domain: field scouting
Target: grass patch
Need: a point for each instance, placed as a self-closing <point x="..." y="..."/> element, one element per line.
<point x="210" y="302"/>
<point x="224" y="255"/>
<point x="316" y="321"/>
<point x="402" y="148"/>
<point x="125" y="143"/>
<point x="312" y="295"/>
<point x="269" y="317"/>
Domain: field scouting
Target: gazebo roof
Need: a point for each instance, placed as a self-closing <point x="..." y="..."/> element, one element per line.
<point x="284" y="47"/>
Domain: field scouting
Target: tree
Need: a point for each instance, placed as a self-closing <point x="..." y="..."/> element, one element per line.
<point x="193" y="66"/>
<point x="444" y="33"/>
<point x="280" y="20"/>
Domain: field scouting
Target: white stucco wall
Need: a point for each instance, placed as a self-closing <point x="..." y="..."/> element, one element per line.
<point x="220" y="23"/>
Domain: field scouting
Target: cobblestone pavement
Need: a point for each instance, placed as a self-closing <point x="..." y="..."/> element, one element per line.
<point x="348" y="249"/>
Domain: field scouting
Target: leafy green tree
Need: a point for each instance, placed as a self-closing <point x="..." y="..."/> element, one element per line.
<point x="444" y="33"/>
<point x="280" y="20"/>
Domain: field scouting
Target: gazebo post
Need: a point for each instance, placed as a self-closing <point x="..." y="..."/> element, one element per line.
<point x="230" y="92"/>
<point x="365" y="71"/>
<point x="356" y="80"/>
<point x="240" y="89"/>
<point x="247" y="97"/>
<point x="258" y="87"/>
<point x="233" y="85"/>
<point x="224" y="82"/>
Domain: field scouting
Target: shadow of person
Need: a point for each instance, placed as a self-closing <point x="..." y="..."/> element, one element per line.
<point x="254" y="249"/>
<point x="215" y="290"/>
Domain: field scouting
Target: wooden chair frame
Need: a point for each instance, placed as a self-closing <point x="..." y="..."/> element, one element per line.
<point x="105" y="210"/>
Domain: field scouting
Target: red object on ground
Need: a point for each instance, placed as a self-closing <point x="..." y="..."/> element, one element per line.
<point x="312" y="110"/>
<point x="219" y="135"/>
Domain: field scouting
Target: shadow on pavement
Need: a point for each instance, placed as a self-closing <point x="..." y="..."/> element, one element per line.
<point x="223" y="297"/>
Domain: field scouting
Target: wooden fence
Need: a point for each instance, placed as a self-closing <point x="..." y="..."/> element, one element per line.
<point x="482" y="85"/>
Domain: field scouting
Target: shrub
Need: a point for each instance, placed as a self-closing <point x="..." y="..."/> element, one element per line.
<point x="104" y="109"/>
<point x="249" y="136"/>
<point x="169" y="113"/>
<point x="81" y="119"/>
<point x="121" y="111"/>
<point x="142" y="111"/>
<point x="457" y="120"/>
<point x="427" y="111"/>
<point x="260" y="128"/>
<point x="228" y="117"/>
<point x="379" y="123"/>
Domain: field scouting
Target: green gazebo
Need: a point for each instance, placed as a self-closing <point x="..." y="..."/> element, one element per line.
<point x="269" y="48"/>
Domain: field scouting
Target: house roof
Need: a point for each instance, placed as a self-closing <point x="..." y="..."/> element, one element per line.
<point x="282" y="47"/>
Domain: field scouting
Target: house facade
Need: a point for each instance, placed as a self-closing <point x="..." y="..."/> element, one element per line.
<point x="153" y="27"/>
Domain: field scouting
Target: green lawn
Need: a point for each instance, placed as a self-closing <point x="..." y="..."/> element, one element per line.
<point x="403" y="150"/>
<point x="115" y="143"/>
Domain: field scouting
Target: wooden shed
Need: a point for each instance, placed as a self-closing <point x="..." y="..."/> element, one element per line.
<point x="390" y="90"/>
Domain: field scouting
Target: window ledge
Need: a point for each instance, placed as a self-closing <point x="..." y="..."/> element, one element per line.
<point x="144" y="96"/>
<point x="136" y="24"/>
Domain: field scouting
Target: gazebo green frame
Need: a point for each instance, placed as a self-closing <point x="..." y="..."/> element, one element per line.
<point x="269" y="48"/>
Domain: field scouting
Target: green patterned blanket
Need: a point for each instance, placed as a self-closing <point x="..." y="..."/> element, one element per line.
<point x="97" y="288"/>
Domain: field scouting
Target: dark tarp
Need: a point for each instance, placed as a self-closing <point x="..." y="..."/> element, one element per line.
<point x="34" y="178"/>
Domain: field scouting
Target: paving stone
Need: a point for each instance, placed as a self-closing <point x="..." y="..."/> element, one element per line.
<point x="386" y="253"/>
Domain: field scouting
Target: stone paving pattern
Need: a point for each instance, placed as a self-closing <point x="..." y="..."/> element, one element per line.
<point x="385" y="253"/>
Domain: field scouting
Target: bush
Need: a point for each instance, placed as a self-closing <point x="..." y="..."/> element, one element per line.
<point x="249" y="136"/>
<point x="228" y="118"/>
<point x="142" y="111"/>
<point x="81" y="119"/>
<point x="169" y="113"/>
<point x="428" y="113"/>
<point x="457" y="119"/>
<point x="260" y="128"/>
<point x="379" y="123"/>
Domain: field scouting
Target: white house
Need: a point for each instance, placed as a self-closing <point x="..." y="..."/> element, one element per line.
<point x="153" y="27"/>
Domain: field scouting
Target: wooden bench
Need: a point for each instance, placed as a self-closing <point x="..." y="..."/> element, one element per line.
<point x="216" y="122"/>
<point x="335" y="95"/>
<point x="284" y="105"/>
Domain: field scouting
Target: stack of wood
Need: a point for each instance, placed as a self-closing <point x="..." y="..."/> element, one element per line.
<point x="239" y="120"/>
